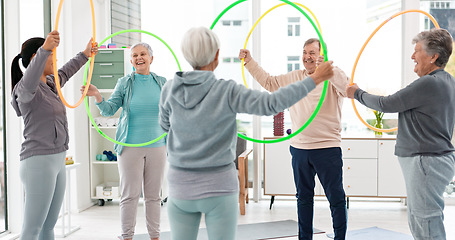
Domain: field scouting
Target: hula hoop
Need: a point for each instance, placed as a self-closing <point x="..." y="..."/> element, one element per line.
<point x="91" y="59"/>
<point x="324" y="50"/>
<point x="360" y="53"/>
<point x="257" y="22"/>
<point x="86" y="102"/>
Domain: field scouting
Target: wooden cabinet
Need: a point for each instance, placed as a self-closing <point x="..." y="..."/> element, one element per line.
<point x="390" y="178"/>
<point x="360" y="160"/>
<point x="370" y="169"/>
<point x="278" y="175"/>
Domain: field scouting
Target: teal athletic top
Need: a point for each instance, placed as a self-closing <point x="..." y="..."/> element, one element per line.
<point x="121" y="98"/>
<point x="144" y="111"/>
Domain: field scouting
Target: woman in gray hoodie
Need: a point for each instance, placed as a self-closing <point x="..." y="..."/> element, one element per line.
<point x="199" y="113"/>
<point x="35" y="98"/>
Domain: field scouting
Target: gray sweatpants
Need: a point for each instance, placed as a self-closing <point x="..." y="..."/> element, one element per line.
<point x="44" y="179"/>
<point x="141" y="168"/>
<point x="426" y="178"/>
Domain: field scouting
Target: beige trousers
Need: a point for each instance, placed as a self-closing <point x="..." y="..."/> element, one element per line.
<point x="141" y="169"/>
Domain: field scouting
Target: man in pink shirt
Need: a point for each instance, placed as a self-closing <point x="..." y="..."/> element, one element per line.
<point x="317" y="149"/>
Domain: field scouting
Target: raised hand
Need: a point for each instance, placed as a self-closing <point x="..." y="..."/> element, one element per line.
<point x="52" y="40"/>
<point x="92" y="91"/>
<point x="91" y="48"/>
<point x="245" y="54"/>
<point x="323" y="72"/>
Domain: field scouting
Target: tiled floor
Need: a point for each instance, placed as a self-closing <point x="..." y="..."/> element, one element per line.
<point x="102" y="223"/>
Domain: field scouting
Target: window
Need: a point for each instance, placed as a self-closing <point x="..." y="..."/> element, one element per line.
<point x="442" y="11"/>
<point x="125" y="14"/>
<point x="236" y="23"/>
<point x="231" y="22"/>
<point x="293" y="63"/>
<point x="440" y="4"/>
<point x="294" y="26"/>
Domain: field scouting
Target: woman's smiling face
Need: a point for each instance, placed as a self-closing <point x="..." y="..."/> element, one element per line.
<point x="141" y="60"/>
<point x="424" y="62"/>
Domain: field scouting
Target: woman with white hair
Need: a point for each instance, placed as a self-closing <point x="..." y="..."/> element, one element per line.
<point x="199" y="113"/>
<point x="138" y="95"/>
<point x="426" y="118"/>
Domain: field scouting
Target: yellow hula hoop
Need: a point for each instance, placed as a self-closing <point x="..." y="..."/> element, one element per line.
<point x="260" y="18"/>
<point x="361" y="51"/>
<point x="54" y="59"/>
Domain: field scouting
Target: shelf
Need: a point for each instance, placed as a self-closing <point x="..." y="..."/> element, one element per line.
<point x="105" y="90"/>
<point x="105" y="162"/>
<point x="103" y="127"/>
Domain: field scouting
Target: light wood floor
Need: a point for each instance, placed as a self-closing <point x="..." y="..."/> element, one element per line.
<point x="102" y="223"/>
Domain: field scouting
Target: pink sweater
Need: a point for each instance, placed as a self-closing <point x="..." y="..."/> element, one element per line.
<point x="325" y="129"/>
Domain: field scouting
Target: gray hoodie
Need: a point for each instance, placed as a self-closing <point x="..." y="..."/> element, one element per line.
<point x="199" y="113"/>
<point x="45" y="123"/>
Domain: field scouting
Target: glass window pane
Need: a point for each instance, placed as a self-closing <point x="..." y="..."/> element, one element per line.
<point x="230" y="37"/>
<point x="31" y="9"/>
<point x="236" y="23"/>
<point x="274" y="61"/>
<point x="227" y="60"/>
<point x="293" y="19"/>
<point x="293" y="58"/>
<point x="125" y="15"/>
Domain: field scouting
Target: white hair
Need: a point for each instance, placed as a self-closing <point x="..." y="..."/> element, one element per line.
<point x="143" y="44"/>
<point x="199" y="46"/>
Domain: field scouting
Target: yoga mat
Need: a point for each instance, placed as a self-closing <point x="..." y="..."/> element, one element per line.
<point x="254" y="231"/>
<point x="374" y="233"/>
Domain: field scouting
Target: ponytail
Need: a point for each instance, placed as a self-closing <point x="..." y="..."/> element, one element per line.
<point x="16" y="72"/>
<point x="29" y="48"/>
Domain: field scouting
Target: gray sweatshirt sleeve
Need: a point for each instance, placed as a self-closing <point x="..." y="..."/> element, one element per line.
<point x="412" y="96"/>
<point x="31" y="79"/>
<point x="28" y="84"/>
<point x="71" y="68"/>
<point x="163" y="119"/>
<point x="243" y="100"/>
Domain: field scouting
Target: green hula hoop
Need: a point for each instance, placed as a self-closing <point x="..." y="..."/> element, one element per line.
<point x="326" y="83"/>
<point x="86" y="102"/>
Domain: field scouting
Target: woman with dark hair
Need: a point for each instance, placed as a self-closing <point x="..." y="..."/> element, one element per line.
<point x="426" y="118"/>
<point x="35" y="98"/>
